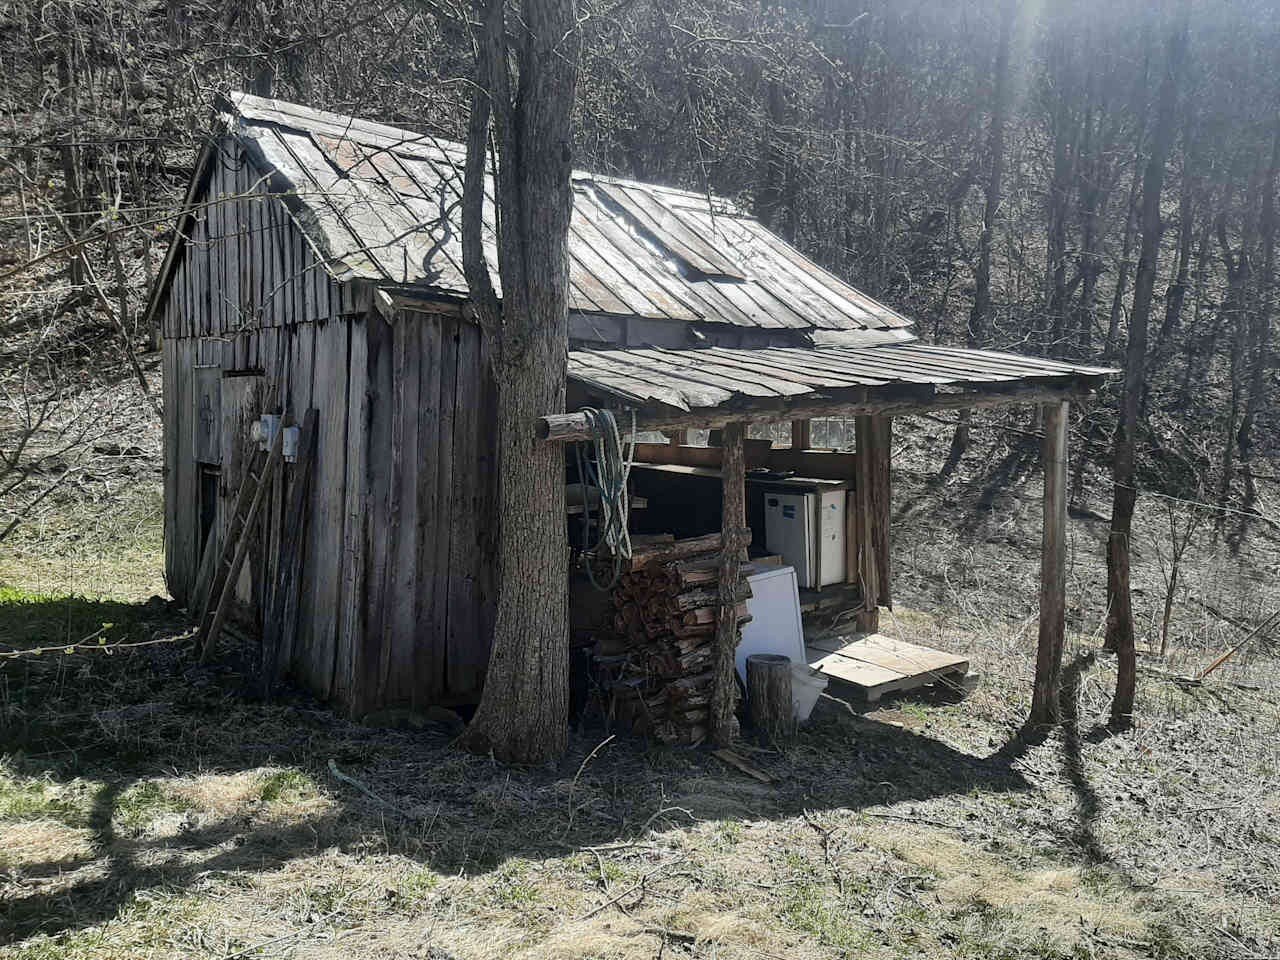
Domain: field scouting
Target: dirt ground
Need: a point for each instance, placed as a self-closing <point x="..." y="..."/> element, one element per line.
<point x="151" y="808"/>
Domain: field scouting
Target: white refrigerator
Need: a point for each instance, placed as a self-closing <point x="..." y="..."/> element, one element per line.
<point x="807" y="530"/>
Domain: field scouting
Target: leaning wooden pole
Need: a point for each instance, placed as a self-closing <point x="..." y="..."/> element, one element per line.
<point x="1045" y="708"/>
<point x="734" y="539"/>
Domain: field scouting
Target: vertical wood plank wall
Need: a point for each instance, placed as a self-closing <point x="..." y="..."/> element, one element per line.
<point x="430" y="587"/>
<point x="399" y="590"/>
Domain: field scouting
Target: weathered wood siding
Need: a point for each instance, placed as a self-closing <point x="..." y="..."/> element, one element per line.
<point x="246" y="266"/>
<point x="430" y="530"/>
<point x="398" y="577"/>
<point x="398" y="587"/>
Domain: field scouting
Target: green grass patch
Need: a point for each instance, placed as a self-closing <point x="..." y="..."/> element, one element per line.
<point x="512" y="887"/>
<point x="810" y="910"/>
<point x="142" y="803"/>
<point x="32" y="798"/>
<point x="154" y="925"/>
<point x="287" y="786"/>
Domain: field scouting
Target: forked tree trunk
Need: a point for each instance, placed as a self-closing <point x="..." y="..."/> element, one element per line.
<point x="523" y="712"/>
<point x="1120" y="631"/>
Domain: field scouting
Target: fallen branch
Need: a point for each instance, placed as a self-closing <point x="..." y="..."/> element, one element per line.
<point x="574" y="786"/>
<point x="101" y="645"/>
<point x="639" y="883"/>
<point x="353" y="782"/>
<point x="1226" y="656"/>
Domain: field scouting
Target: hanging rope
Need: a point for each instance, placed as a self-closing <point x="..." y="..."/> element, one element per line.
<point x="608" y="474"/>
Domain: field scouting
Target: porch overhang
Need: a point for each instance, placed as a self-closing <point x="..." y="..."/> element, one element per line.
<point x="713" y="387"/>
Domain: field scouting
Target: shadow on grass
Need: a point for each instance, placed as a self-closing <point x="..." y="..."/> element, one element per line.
<point x="151" y="714"/>
<point x="30" y="621"/>
<point x="1088" y="804"/>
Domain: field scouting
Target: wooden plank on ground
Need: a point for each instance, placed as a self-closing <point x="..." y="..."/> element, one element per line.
<point x="878" y="664"/>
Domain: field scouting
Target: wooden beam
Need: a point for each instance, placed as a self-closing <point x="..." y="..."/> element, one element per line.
<point x="723" y="722"/>
<point x="871" y="522"/>
<point x="1045" y="706"/>
<point x="573" y="426"/>
<point x="800" y="435"/>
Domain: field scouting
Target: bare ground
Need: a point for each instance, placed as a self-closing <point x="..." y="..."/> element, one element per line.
<point x="149" y="808"/>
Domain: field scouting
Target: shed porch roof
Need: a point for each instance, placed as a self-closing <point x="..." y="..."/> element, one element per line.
<point x="717" y="385"/>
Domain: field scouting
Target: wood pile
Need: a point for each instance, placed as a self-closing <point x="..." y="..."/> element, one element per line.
<point x="665" y="615"/>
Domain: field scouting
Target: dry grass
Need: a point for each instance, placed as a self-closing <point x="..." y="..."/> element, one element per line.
<point x="149" y="809"/>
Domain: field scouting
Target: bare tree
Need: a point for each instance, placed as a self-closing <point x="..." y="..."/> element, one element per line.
<point x="526" y="73"/>
<point x="980" y="314"/>
<point x="1120" y="632"/>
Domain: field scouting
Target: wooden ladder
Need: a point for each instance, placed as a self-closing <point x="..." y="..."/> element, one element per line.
<point x="236" y="546"/>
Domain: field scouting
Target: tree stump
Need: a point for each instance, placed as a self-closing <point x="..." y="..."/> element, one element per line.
<point x="769" y="695"/>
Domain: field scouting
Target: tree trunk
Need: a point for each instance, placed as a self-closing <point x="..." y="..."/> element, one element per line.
<point x="1120" y="631"/>
<point x="1122" y="276"/>
<point x="1260" y="358"/>
<point x="1176" y="294"/>
<point x="979" y="315"/>
<point x="523" y="712"/>
<point x="1235" y="311"/>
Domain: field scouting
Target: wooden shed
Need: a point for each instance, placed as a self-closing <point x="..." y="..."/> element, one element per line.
<point x="317" y="266"/>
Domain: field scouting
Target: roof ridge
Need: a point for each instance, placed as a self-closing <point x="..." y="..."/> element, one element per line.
<point x="252" y="107"/>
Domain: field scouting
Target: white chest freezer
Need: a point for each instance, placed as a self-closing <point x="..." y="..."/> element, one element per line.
<point x="776" y="627"/>
<point x="807" y="530"/>
<point x="775" y="616"/>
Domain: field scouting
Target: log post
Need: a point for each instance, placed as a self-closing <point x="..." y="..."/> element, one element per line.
<point x="769" y="696"/>
<point x="1045" y="707"/>
<point x="872" y="496"/>
<point x="800" y="435"/>
<point x="734" y="538"/>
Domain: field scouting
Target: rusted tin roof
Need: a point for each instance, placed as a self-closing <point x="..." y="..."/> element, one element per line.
<point x="384" y="204"/>
<point x="701" y="379"/>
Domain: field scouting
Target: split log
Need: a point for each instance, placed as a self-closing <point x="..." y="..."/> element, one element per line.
<point x="769" y="695"/>
<point x="652" y="554"/>
<point x="704" y="615"/>
<point x="707" y="598"/>
<point x="693" y="573"/>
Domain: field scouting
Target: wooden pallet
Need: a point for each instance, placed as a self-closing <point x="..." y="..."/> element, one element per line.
<point x="875" y="664"/>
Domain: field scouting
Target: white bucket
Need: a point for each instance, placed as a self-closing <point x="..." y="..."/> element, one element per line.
<point x="807" y="685"/>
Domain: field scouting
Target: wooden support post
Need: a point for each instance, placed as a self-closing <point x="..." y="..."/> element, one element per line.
<point x="769" y="696"/>
<point x="800" y="436"/>
<point x="1045" y="707"/>
<point x="676" y="438"/>
<point x="872" y="497"/>
<point x="734" y="538"/>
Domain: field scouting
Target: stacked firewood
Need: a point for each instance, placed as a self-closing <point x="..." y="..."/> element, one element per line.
<point x="665" y="612"/>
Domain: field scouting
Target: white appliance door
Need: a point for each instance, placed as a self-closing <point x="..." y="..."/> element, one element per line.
<point x="831" y="536"/>
<point x="775" y="617"/>
<point x="788" y="522"/>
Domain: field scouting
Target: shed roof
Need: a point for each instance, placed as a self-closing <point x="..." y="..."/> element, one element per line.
<point x="383" y="204"/>
<point x="657" y="381"/>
